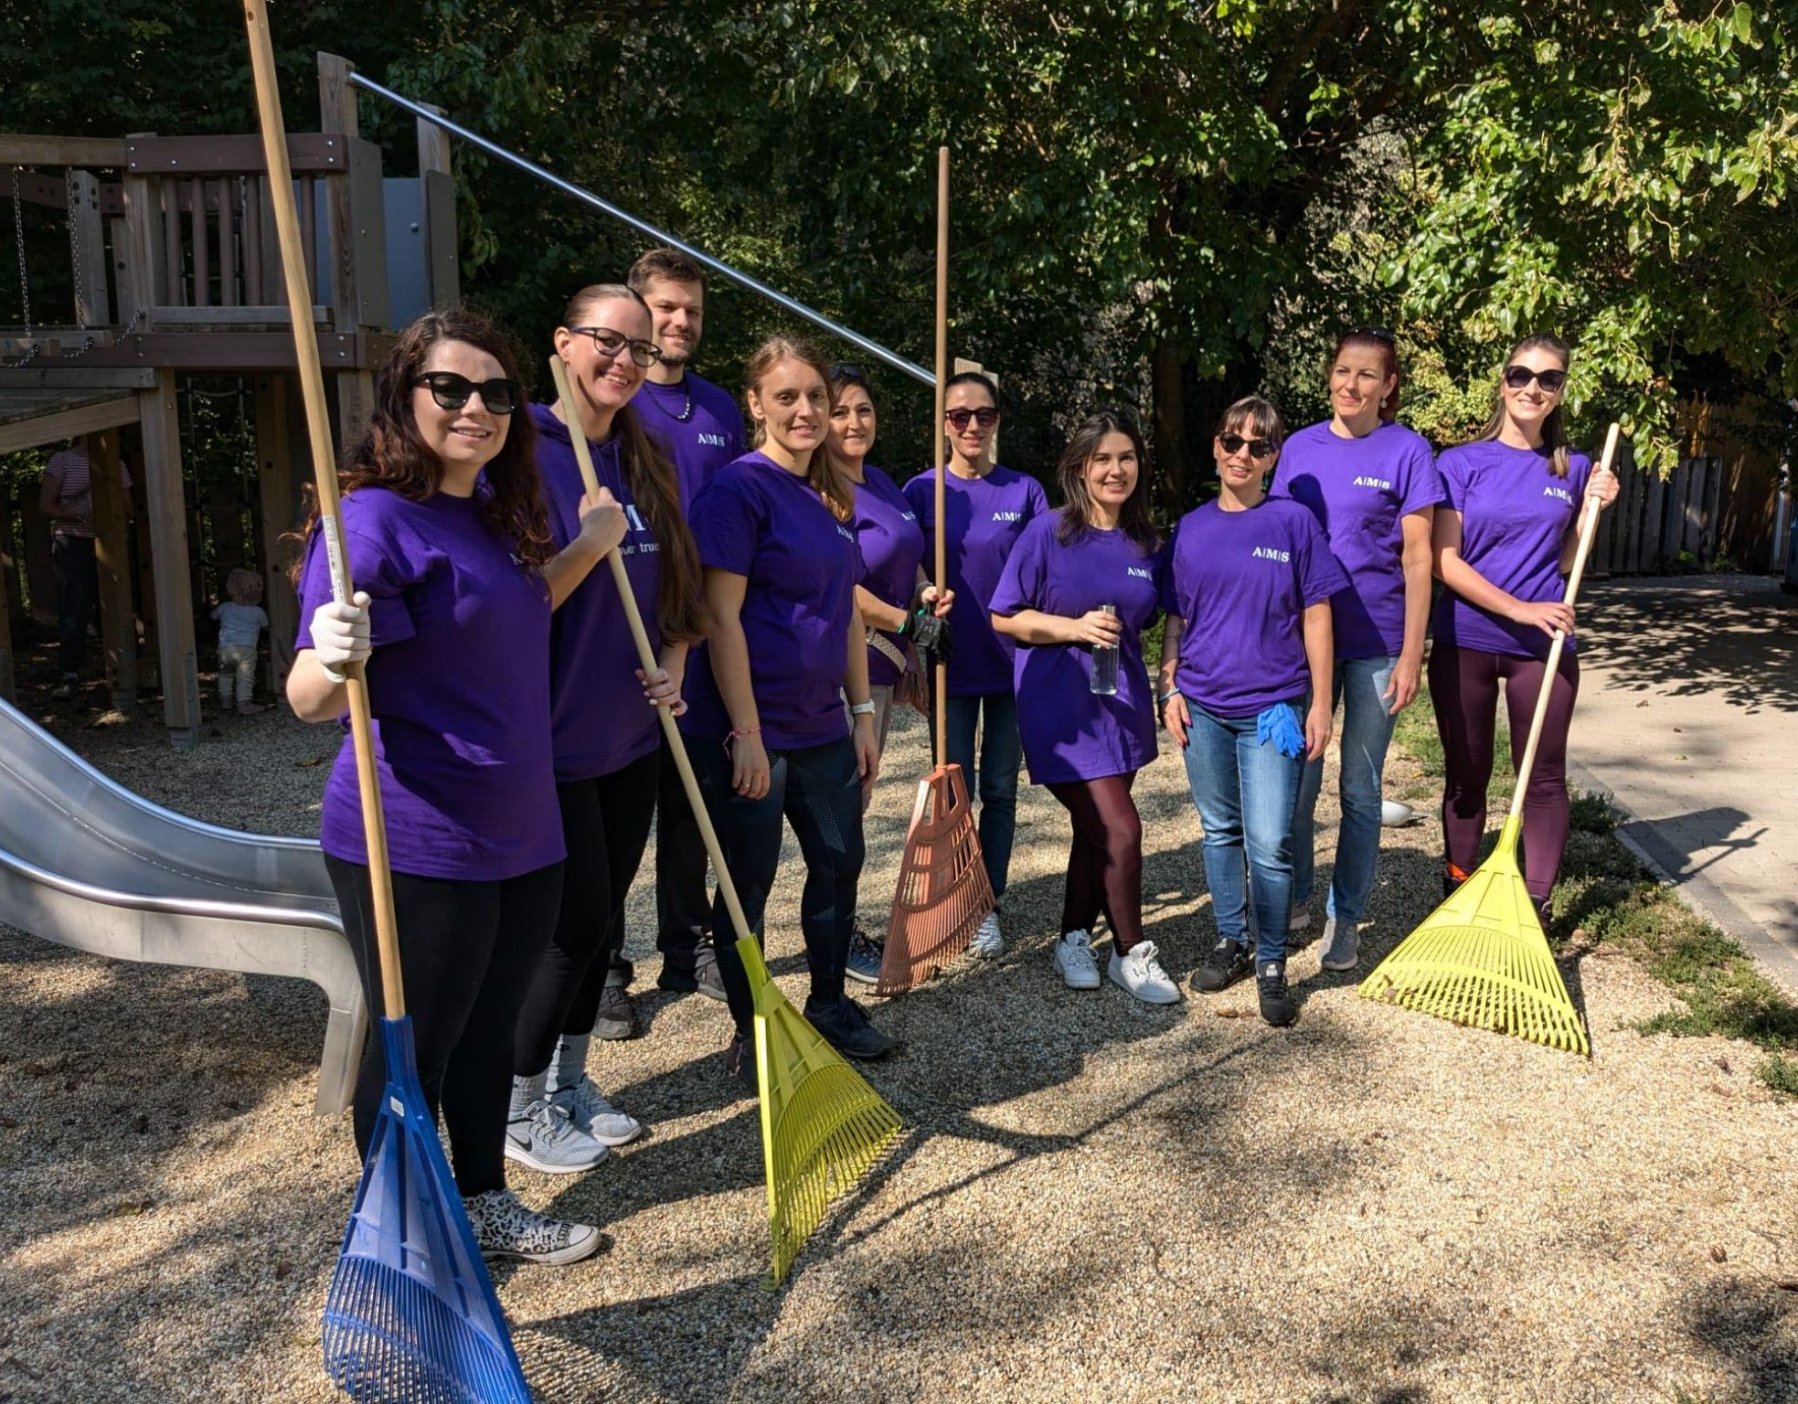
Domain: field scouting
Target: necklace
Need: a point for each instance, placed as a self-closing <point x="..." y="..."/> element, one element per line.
<point x="686" y="410"/>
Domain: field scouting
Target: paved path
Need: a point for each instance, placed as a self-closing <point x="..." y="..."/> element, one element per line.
<point x="1688" y="715"/>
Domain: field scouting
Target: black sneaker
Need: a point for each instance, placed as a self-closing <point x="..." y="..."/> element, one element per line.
<point x="1277" y="1007"/>
<point x="846" y="1028"/>
<point x="865" y="956"/>
<point x="739" y="1059"/>
<point x="617" y="1015"/>
<point x="1227" y="963"/>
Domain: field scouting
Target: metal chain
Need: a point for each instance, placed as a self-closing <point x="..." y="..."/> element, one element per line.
<point x="18" y="234"/>
<point x="81" y="307"/>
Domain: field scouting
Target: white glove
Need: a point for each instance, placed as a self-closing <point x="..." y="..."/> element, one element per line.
<point x="340" y="635"/>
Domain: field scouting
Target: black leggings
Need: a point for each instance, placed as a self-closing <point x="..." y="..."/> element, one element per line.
<point x="1105" y="860"/>
<point x="469" y="951"/>
<point x="1464" y="688"/>
<point x="605" y="822"/>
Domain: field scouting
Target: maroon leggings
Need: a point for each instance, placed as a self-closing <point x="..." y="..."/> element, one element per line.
<point x="1464" y="687"/>
<point x="1105" y="859"/>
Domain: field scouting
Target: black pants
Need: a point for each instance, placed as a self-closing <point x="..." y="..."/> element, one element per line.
<point x="605" y="822"/>
<point x="77" y="596"/>
<point x="683" y="905"/>
<point x="469" y="951"/>
<point x="818" y="790"/>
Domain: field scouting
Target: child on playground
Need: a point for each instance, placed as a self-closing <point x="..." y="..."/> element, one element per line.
<point x="241" y="621"/>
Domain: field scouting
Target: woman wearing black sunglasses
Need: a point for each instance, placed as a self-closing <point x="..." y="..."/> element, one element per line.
<point x="456" y="574"/>
<point x="1502" y="544"/>
<point x="604" y="731"/>
<point x="987" y="508"/>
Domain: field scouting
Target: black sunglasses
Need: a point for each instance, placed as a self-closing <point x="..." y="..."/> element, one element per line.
<point x="849" y="375"/>
<point x="452" y="391"/>
<point x="986" y="417"/>
<point x="610" y="343"/>
<point x="1519" y="376"/>
<point x="1377" y="333"/>
<point x="1258" y="448"/>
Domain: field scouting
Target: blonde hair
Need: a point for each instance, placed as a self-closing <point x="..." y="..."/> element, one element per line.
<point x="823" y="472"/>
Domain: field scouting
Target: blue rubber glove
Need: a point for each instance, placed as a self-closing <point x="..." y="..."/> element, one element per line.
<point x="1280" y="725"/>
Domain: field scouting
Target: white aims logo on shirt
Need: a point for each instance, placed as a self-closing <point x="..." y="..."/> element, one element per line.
<point x="635" y="518"/>
<point x="1140" y="572"/>
<point x="711" y="440"/>
<point x="1271" y="553"/>
<point x="845" y="533"/>
<point x="1008" y="516"/>
<point x="1384" y="485"/>
<point x="1559" y="492"/>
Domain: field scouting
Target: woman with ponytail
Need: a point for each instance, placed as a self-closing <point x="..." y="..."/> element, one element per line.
<point x="785" y="649"/>
<point x="1372" y="485"/>
<point x="1503" y="542"/>
<point x="604" y="731"/>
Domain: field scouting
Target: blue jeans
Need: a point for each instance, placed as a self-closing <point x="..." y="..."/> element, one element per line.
<point x="995" y="782"/>
<point x="818" y="790"/>
<point x="1366" y="732"/>
<point x="1246" y="793"/>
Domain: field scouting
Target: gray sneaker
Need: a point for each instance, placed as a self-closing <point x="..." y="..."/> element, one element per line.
<point x="587" y="1111"/>
<point x="1342" y="944"/>
<point x="546" y="1140"/>
<point x="705" y="973"/>
<point x="504" y="1228"/>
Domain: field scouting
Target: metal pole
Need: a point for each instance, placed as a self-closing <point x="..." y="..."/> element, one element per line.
<point x="568" y="187"/>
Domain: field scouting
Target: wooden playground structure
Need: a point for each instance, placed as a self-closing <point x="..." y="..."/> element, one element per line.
<point x="175" y="274"/>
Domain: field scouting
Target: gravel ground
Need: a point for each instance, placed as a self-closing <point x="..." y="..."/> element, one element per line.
<point x="1094" y="1199"/>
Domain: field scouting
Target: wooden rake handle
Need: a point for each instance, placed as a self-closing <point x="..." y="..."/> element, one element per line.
<point x="324" y="477"/>
<point x="646" y="655"/>
<point x="942" y="372"/>
<point x="1588" y="530"/>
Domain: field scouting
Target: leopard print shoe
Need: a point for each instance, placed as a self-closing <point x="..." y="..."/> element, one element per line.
<point x="504" y="1228"/>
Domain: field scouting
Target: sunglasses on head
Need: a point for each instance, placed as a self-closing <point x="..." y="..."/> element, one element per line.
<point x="1519" y="376"/>
<point x="610" y="343"/>
<point x="1258" y="448"/>
<point x="452" y="391"/>
<point x="853" y="375"/>
<point x="986" y="417"/>
<point x="1377" y="333"/>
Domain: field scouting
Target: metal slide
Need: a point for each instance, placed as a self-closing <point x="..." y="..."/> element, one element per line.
<point x="86" y="863"/>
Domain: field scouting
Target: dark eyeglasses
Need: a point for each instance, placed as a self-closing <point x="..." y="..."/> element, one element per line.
<point x="853" y="375"/>
<point x="610" y="343"/>
<point x="986" y="417"/>
<point x="1377" y="333"/>
<point x="452" y="391"/>
<point x="1258" y="448"/>
<point x="1519" y="376"/>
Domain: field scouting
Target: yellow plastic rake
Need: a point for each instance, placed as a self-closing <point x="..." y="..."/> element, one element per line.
<point x="1481" y="958"/>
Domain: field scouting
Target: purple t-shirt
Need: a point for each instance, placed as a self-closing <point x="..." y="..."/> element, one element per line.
<point x="1242" y="582"/>
<point x="1360" y="491"/>
<point x="1514" y="513"/>
<point x="459" y="688"/>
<point x="759" y="521"/>
<point x="698" y="424"/>
<point x="599" y="722"/>
<point x="984" y="517"/>
<point x="1067" y="731"/>
<point x="892" y="545"/>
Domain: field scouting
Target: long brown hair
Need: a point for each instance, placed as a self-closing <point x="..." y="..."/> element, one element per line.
<point x="1075" y="518"/>
<point x="654" y="485"/>
<point x="1554" y="428"/>
<point x="392" y="455"/>
<point x="1380" y="340"/>
<point x="822" y="472"/>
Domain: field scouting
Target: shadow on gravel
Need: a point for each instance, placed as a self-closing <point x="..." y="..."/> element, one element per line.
<point x="1751" y="1327"/>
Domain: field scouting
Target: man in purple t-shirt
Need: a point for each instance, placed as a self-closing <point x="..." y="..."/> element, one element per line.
<point x="701" y="427"/>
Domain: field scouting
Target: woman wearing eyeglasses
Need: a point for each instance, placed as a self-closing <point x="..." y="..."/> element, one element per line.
<point x="987" y="508"/>
<point x="456" y="574"/>
<point x="1372" y="485"/>
<point x="604" y="731"/>
<point x="895" y="597"/>
<point x="1503" y="542"/>
<point x="1245" y="691"/>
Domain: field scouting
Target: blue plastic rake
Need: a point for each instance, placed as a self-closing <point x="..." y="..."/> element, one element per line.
<point x="411" y="1314"/>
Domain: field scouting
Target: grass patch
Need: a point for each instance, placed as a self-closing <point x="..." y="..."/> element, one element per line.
<point x="1605" y="898"/>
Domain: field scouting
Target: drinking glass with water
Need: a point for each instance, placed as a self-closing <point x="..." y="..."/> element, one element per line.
<point x="1105" y="663"/>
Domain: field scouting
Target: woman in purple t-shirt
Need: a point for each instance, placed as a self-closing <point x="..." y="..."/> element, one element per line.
<point x="1245" y="690"/>
<point x="1084" y="581"/>
<point x="605" y="741"/>
<point x="456" y="574"/>
<point x="785" y="648"/>
<point x="1503" y="543"/>
<point x="894" y="596"/>
<point x="987" y="508"/>
<point x="1372" y="485"/>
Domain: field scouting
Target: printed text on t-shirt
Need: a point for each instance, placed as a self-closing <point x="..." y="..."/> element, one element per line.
<point x="1271" y="553"/>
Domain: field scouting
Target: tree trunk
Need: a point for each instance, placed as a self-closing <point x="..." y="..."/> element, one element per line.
<point x="1169" y="367"/>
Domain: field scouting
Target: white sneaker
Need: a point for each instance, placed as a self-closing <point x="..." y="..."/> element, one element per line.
<point x="1299" y="920"/>
<point x="504" y="1228"/>
<point x="1074" y="959"/>
<point x="587" y="1111"/>
<point x="1139" y="971"/>
<point x="546" y="1140"/>
<point x="987" y="943"/>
